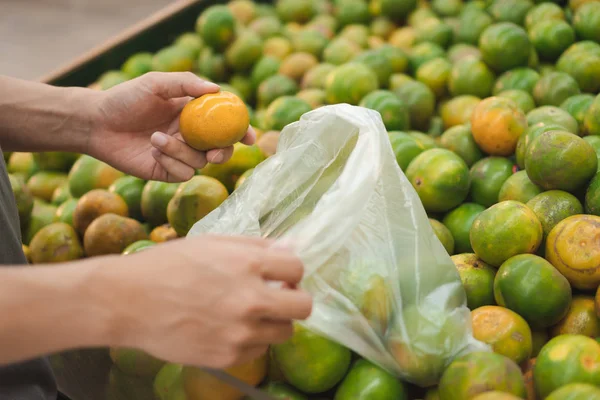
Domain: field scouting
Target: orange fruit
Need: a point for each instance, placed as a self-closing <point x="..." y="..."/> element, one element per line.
<point x="505" y="330"/>
<point x="214" y="121"/>
<point x="496" y="124"/>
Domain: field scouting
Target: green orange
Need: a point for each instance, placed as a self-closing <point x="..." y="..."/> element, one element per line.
<point x="576" y="391"/>
<point x="553" y="206"/>
<point x="487" y="177"/>
<point x="459" y="221"/>
<point x="591" y="121"/>
<point x="471" y="76"/>
<point x="521" y="98"/>
<point x="518" y="187"/>
<point x="405" y="148"/>
<point x="518" y="285"/>
<point x="435" y="74"/>
<point x="443" y="234"/>
<point x="441" y="179"/>
<point x="567" y="359"/>
<point x="350" y="83"/>
<point x="581" y="319"/>
<point x="458" y="110"/>
<point x="421" y="103"/>
<point x="506" y="331"/>
<point x="459" y="139"/>
<point x="551" y="115"/>
<point x="553" y="88"/>
<point x="513" y="11"/>
<point x="477" y="279"/>
<point x="560" y="160"/>
<point x="367" y="381"/>
<point x="480" y="372"/>
<point x="274" y="87"/>
<point x="544" y="12"/>
<point x="310" y="362"/>
<point x="577" y="106"/>
<point x="284" y="111"/>
<point x="522" y="78"/>
<point x="504" y="230"/>
<point x="587" y="22"/>
<point x="393" y="111"/>
<point x="551" y="38"/>
<point x="572" y="247"/>
<point x="216" y="25"/>
<point x="472" y="24"/>
<point x="592" y="196"/>
<point x="505" y="46"/>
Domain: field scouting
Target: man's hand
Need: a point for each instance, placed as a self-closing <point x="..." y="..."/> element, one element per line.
<point x="136" y="127"/>
<point x="203" y="301"/>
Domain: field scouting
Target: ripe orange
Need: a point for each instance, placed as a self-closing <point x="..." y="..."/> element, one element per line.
<point x="214" y="121"/>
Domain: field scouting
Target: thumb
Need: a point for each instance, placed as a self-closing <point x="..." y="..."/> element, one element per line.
<point x="170" y="85"/>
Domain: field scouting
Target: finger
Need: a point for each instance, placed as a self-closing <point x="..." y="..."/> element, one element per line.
<point x="219" y="156"/>
<point x="287" y="305"/>
<point x="238" y="241"/>
<point x="169" y="85"/>
<point x="176" y="171"/>
<point x="272" y="332"/>
<point x="250" y="137"/>
<point x="282" y="266"/>
<point x="178" y="150"/>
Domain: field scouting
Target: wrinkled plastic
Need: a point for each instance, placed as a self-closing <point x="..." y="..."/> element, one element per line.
<point x="382" y="283"/>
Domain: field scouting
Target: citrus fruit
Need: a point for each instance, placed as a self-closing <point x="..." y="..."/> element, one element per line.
<point x="396" y="10"/>
<point x="513" y="11"/>
<point x="506" y="331"/>
<point x="378" y="63"/>
<point x="521" y="78"/>
<point x="405" y="148"/>
<point x="441" y="179"/>
<point x="560" y="160"/>
<point x="55" y="160"/>
<point x="111" y="234"/>
<point x="278" y="47"/>
<point x="504" y="230"/>
<point x="572" y="247"/>
<point x="459" y="222"/>
<point x="551" y="38"/>
<point x="433" y="30"/>
<point x="470" y="76"/>
<point x="393" y="111"/>
<point x="581" y="319"/>
<point x="471" y="25"/>
<point x="356" y="33"/>
<point x="297" y="64"/>
<point x="586" y="22"/>
<point x="289" y="10"/>
<point x="479" y="372"/>
<point x="310" y="41"/>
<point x="592" y="196"/>
<point x="57" y="242"/>
<point x="567" y="359"/>
<point x="423" y="52"/>
<point x="518" y="187"/>
<point x="504" y="46"/>
<point x="539" y="339"/>
<point x="215" y="120"/>
<point x="551" y="115"/>
<point x="43" y="183"/>
<point x="138" y="246"/>
<point x="61" y="194"/>
<point x="553" y="206"/>
<point x="340" y="51"/>
<point x="435" y="74"/>
<point x="199" y="384"/>
<point x="522" y="99"/>
<point x="518" y="285"/>
<point x="495" y="395"/>
<point x="88" y="173"/>
<point x="211" y="65"/>
<point x="582" y="65"/>
<point x="193" y="200"/>
<point x="64" y="212"/>
<point x="168" y="382"/>
<point x="443" y="234"/>
<point x="155" y="198"/>
<point x="459" y="139"/>
<point x="543" y="12"/>
<point x="216" y="26"/>
<point x="366" y="380"/>
<point x="23" y="164"/>
<point x="577" y="106"/>
<point x="163" y="233"/>
<point x="458" y="110"/>
<point x="526" y="138"/>
<point x="23" y="198"/>
<point x="133" y="362"/>
<point x="553" y="88"/>
<point x="420" y="101"/>
<point x="130" y="189"/>
<point x="477" y="279"/>
<point x="487" y="177"/>
<point x="95" y="203"/>
<point x="243" y="158"/>
<point x="350" y="83"/>
<point x="310" y="362"/>
<point x="314" y="97"/>
<point x="460" y="50"/>
<point x="591" y="121"/>
<point x="173" y="59"/>
<point x="189" y="40"/>
<point x="42" y="214"/>
<point x="284" y="111"/>
<point x="316" y="76"/>
<point x="496" y="124"/>
<point x="274" y="87"/>
<point x="576" y="391"/>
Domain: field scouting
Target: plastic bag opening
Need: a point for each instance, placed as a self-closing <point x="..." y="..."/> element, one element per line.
<point x="383" y="284"/>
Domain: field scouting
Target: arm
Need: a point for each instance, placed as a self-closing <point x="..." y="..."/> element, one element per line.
<point x="216" y="310"/>
<point x="40" y="117"/>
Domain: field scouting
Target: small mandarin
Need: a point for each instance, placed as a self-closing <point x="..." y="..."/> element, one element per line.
<point x="214" y="121"/>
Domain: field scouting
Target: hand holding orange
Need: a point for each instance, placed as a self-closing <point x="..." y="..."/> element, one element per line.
<point x="214" y="121"/>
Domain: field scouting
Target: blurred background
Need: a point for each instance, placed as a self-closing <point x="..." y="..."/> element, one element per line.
<point x="38" y="36"/>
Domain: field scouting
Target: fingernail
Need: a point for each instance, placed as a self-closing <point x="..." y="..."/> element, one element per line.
<point x="210" y="86"/>
<point x="158" y="139"/>
<point x="217" y="158"/>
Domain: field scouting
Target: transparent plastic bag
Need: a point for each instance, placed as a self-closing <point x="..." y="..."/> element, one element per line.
<point x="382" y="283"/>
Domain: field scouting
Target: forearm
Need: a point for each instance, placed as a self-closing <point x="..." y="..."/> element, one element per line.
<point x="49" y="309"/>
<point x="40" y="117"/>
